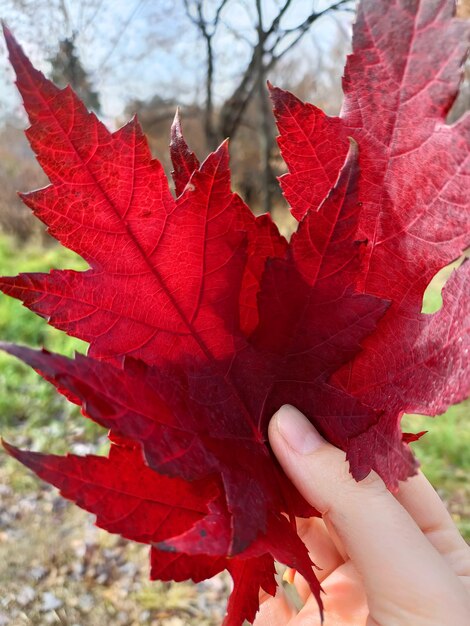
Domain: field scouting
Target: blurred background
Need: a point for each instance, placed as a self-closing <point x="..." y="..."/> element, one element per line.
<point x="212" y="59"/>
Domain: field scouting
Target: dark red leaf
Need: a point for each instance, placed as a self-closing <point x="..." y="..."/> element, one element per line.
<point x="399" y="83"/>
<point x="184" y="161"/>
<point x="410" y="437"/>
<point x="249" y="576"/>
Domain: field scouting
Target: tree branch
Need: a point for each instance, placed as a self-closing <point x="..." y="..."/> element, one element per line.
<point x="233" y="109"/>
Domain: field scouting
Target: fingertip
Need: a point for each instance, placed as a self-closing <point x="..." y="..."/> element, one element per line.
<point x="295" y="430"/>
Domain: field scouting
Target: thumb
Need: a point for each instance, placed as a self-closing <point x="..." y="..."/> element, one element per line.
<point x="397" y="563"/>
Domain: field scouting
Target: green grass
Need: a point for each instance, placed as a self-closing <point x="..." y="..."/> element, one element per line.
<point x="30" y="409"/>
<point x="444" y="454"/>
<point x="444" y="451"/>
<point x="16" y="322"/>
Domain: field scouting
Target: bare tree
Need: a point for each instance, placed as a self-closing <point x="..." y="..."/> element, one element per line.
<point x="270" y="44"/>
<point x="273" y="42"/>
<point x="103" y="38"/>
<point x="265" y="126"/>
<point x="243" y="42"/>
<point x="207" y="27"/>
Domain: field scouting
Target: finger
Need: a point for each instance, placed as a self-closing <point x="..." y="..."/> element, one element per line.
<point x="345" y="600"/>
<point x="324" y="552"/>
<point x="335" y="539"/>
<point x="419" y="498"/>
<point x="395" y="560"/>
<point x="274" y="611"/>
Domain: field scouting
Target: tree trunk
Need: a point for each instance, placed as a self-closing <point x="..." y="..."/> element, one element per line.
<point x="212" y="138"/>
<point x="264" y="122"/>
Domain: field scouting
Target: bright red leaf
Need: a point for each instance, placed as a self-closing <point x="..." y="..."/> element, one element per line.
<point x="202" y="321"/>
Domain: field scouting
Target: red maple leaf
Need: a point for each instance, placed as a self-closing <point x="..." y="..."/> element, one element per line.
<point x="202" y="320"/>
<point x="399" y="84"/>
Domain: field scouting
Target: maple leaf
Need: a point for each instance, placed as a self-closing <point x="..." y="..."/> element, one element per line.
<point x="202" y="320"/>
<point x="399" y="84"/>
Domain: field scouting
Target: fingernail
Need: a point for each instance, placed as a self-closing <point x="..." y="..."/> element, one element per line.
<point x="297" y="431"/>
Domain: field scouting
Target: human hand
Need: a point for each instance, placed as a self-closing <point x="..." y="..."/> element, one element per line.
<point x="386" y="560"/>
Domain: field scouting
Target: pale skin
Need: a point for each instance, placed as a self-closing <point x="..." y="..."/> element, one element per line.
<point x="387" y="560"/>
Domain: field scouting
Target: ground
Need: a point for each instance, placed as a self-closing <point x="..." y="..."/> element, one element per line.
<point x="56" y="567"/>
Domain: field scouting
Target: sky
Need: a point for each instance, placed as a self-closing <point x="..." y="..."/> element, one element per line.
<point x="134" y="49"/>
